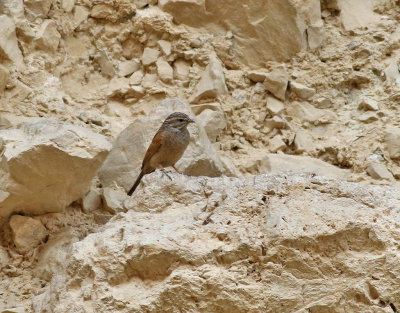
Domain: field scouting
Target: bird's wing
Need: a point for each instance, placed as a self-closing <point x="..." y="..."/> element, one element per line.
<point x="154" y="147"/>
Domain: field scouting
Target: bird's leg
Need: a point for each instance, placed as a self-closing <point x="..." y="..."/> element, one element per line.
<point x="165" y="173"/>
<point x="173" y="166"/>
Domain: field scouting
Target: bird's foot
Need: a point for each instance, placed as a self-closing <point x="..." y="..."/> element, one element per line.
<point x="166" y="174"/>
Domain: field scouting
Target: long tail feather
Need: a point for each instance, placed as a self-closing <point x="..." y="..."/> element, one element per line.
<point x="137" y="182"/>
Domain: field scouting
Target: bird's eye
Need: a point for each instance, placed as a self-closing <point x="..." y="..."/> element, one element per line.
<point x="181" y="120"/>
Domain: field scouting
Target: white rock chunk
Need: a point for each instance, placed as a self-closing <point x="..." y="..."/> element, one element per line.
<point x="150" y="56"/>
<point x="379" y="171"/>
<point x="274" y="105"/>
<point x="276" y="82"/>
<point x="123" y="164"/>
<point x="27" y="232"/>
<point x="4" y="75"/>
<point x="8" y="42"/>
<point x="48" y="37"/>
<point x="165" y="47"/>
<point x="181" y="69"/>
<point x="212" y="82"/>
<point x="165" y="71"/>
<point x="46" y="165"/>
<point x="128" y="67"/>
<point x="302" y="91"/>
<point x="368" y="104"/>
<point x="392" y="142"/>
<point x="213" y="122"/>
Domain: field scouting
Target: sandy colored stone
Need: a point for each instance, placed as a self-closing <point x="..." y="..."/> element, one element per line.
<point x="4" y="76"/>
<point x="164" y="71"/>
<point x="379" y="171"/>
<point x="149" y="80"/>
<point x="101" y="11"/>
<point x="357" y="13"/>
<point x="257" y="76"/>
<point x="128" y="67"/>
<point x="392" y="72"/>
<point x="136" y="78"/>
<point x="46" y="165"/>
<point x="68" y="5"/>
<point x="246" y="244"/>
<point x="302" y="91"/>
<point x="165" y="47"/>
<point x="212" y="82"/>
<point x="113" y="200"/>
<point x="276" y="144"/>
<point x="124" y="162"/>
<point x="106" y="65"/>
<point x="27" y="232"/>
<point x="150" y="56"/>
<point x="80" y="15"/>
<point x="92" y="200"/>
<point x="276" y="82"/>
<point x="132" y="48"/>
<point x="213" y="122"/>
<point x="40" y="8"/>
<point x="392" y="141"/>
<point x="181" y="69"/>
<point x="274" y="105"/>
<point x="9" y="49"/>
<point x="48" y="37"/>
<point x="368" y="104"/>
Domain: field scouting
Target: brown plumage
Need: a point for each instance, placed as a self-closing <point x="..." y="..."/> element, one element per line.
<point x="167" y="146"/>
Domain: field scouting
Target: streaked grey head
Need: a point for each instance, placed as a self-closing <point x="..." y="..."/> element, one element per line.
<point x="178" y="120"/>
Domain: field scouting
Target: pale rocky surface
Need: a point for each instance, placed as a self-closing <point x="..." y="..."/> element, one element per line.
<point x="276" y="87"/>
<point x="293" y="243"/>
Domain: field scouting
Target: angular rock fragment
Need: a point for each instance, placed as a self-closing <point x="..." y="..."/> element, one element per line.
<point x="212" y="82"/>
<point x="379" y="171"/>
<point x="276" y="82"/>
<point x="48" y="37"/>
<point x="164" y="71"/>
<point x="9" y="49"/>
<point x="213" y="122"/>
<point x="150" y="56"/>
<point x="302" y="91"/>
<point x="46" y="165"/>
<point x="27" y="232"/>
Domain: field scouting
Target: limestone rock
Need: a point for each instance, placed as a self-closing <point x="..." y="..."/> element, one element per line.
<point x="4" y="258"/>
<point x="181" y="69"/>
<point x="213" y="122"/>
<point x="274" y="105"/>
<point x="244" y="244"/>
<point x="357" y="13"/>
<point x="392" y="72"/>
<point x="81" y="14"/>
<point x="9" y="49"/>
<point x="149" y="80"/>
<point x="120" y="87"/>
<point x="276" y="144"/>
<point x="123" y="164"/>
<point x="165" y="47"/>
<point x="379" y="171"/>
<point x="106" y="65"/>
<point x="128" y="67"/>
<point x="257" y="76"/>
<point x="305" y="112"/>
<point x="46" y="165"/>
<point x="27" y="232"/>
<point x="366" y="103"/>
<point x="198" y="108"/>
<point x="302" y="91"/>
<point x="165" y="71"/>
<point x="48" y="38"/>
<point x="67" y="5"/>
<point x="101" y="11"/>
<point x="113" y="200"/>
<point x="276" y="82"/>
<point x="150" y="56"/>
<point x="92" y="200"/>
<point x="4" y="75"/>
<point x="40" y="8"/>
<point x="132" y="48"/>
<point x="282" y="163"/>
<point x="14" y="8"/>
<point x="303" y="142"/>
<point x="212" y="82"/>
<point x="136" y="78"/>
<point x="253" y="25"/>
<point x="392" y="142"/>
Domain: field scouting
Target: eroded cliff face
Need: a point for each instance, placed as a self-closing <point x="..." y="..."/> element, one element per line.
<point x="292" y="88"/>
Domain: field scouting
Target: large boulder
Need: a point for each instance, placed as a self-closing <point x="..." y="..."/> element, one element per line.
<point x="255" y="25"/>
<point x="124" y="162"/>
<point x="268" y="243"/>
<point x="46" y="165"/>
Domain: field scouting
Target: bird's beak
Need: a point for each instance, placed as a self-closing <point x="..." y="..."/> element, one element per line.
<point x="190" y="121"/>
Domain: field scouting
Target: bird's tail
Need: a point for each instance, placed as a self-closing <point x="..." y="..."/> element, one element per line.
<point x="137" y="182"/>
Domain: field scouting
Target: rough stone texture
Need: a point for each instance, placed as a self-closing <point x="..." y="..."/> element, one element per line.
<point x="263" y="244"/>
<point x="4" y="76"/>
<point x="150" y="56"/>
<point x="357" y="13"/>
<point x="212" y="82"/>
<point x="212" y="122"/>
<point x="392" y="141"/>
<point x="48" y="38"/>
<point x="302" y="91"/>
<point x="379" y="171"/>
<point x="253" y="24"/>
<point x="27" y="232"/>
<point x="9" y="49"/>
<point x="46" y="165"/>
<point x="124" y="162"/>
<point x="276" y="82"/>
<point x="165" y="71"/>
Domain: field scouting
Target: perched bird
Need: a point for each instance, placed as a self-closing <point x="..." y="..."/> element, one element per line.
<point x="167" y="146"/>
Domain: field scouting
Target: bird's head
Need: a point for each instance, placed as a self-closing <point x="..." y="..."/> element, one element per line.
<point x="178" y="120"/>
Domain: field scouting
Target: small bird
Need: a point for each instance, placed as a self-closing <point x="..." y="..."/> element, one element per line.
<point x="167" y="146"/>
